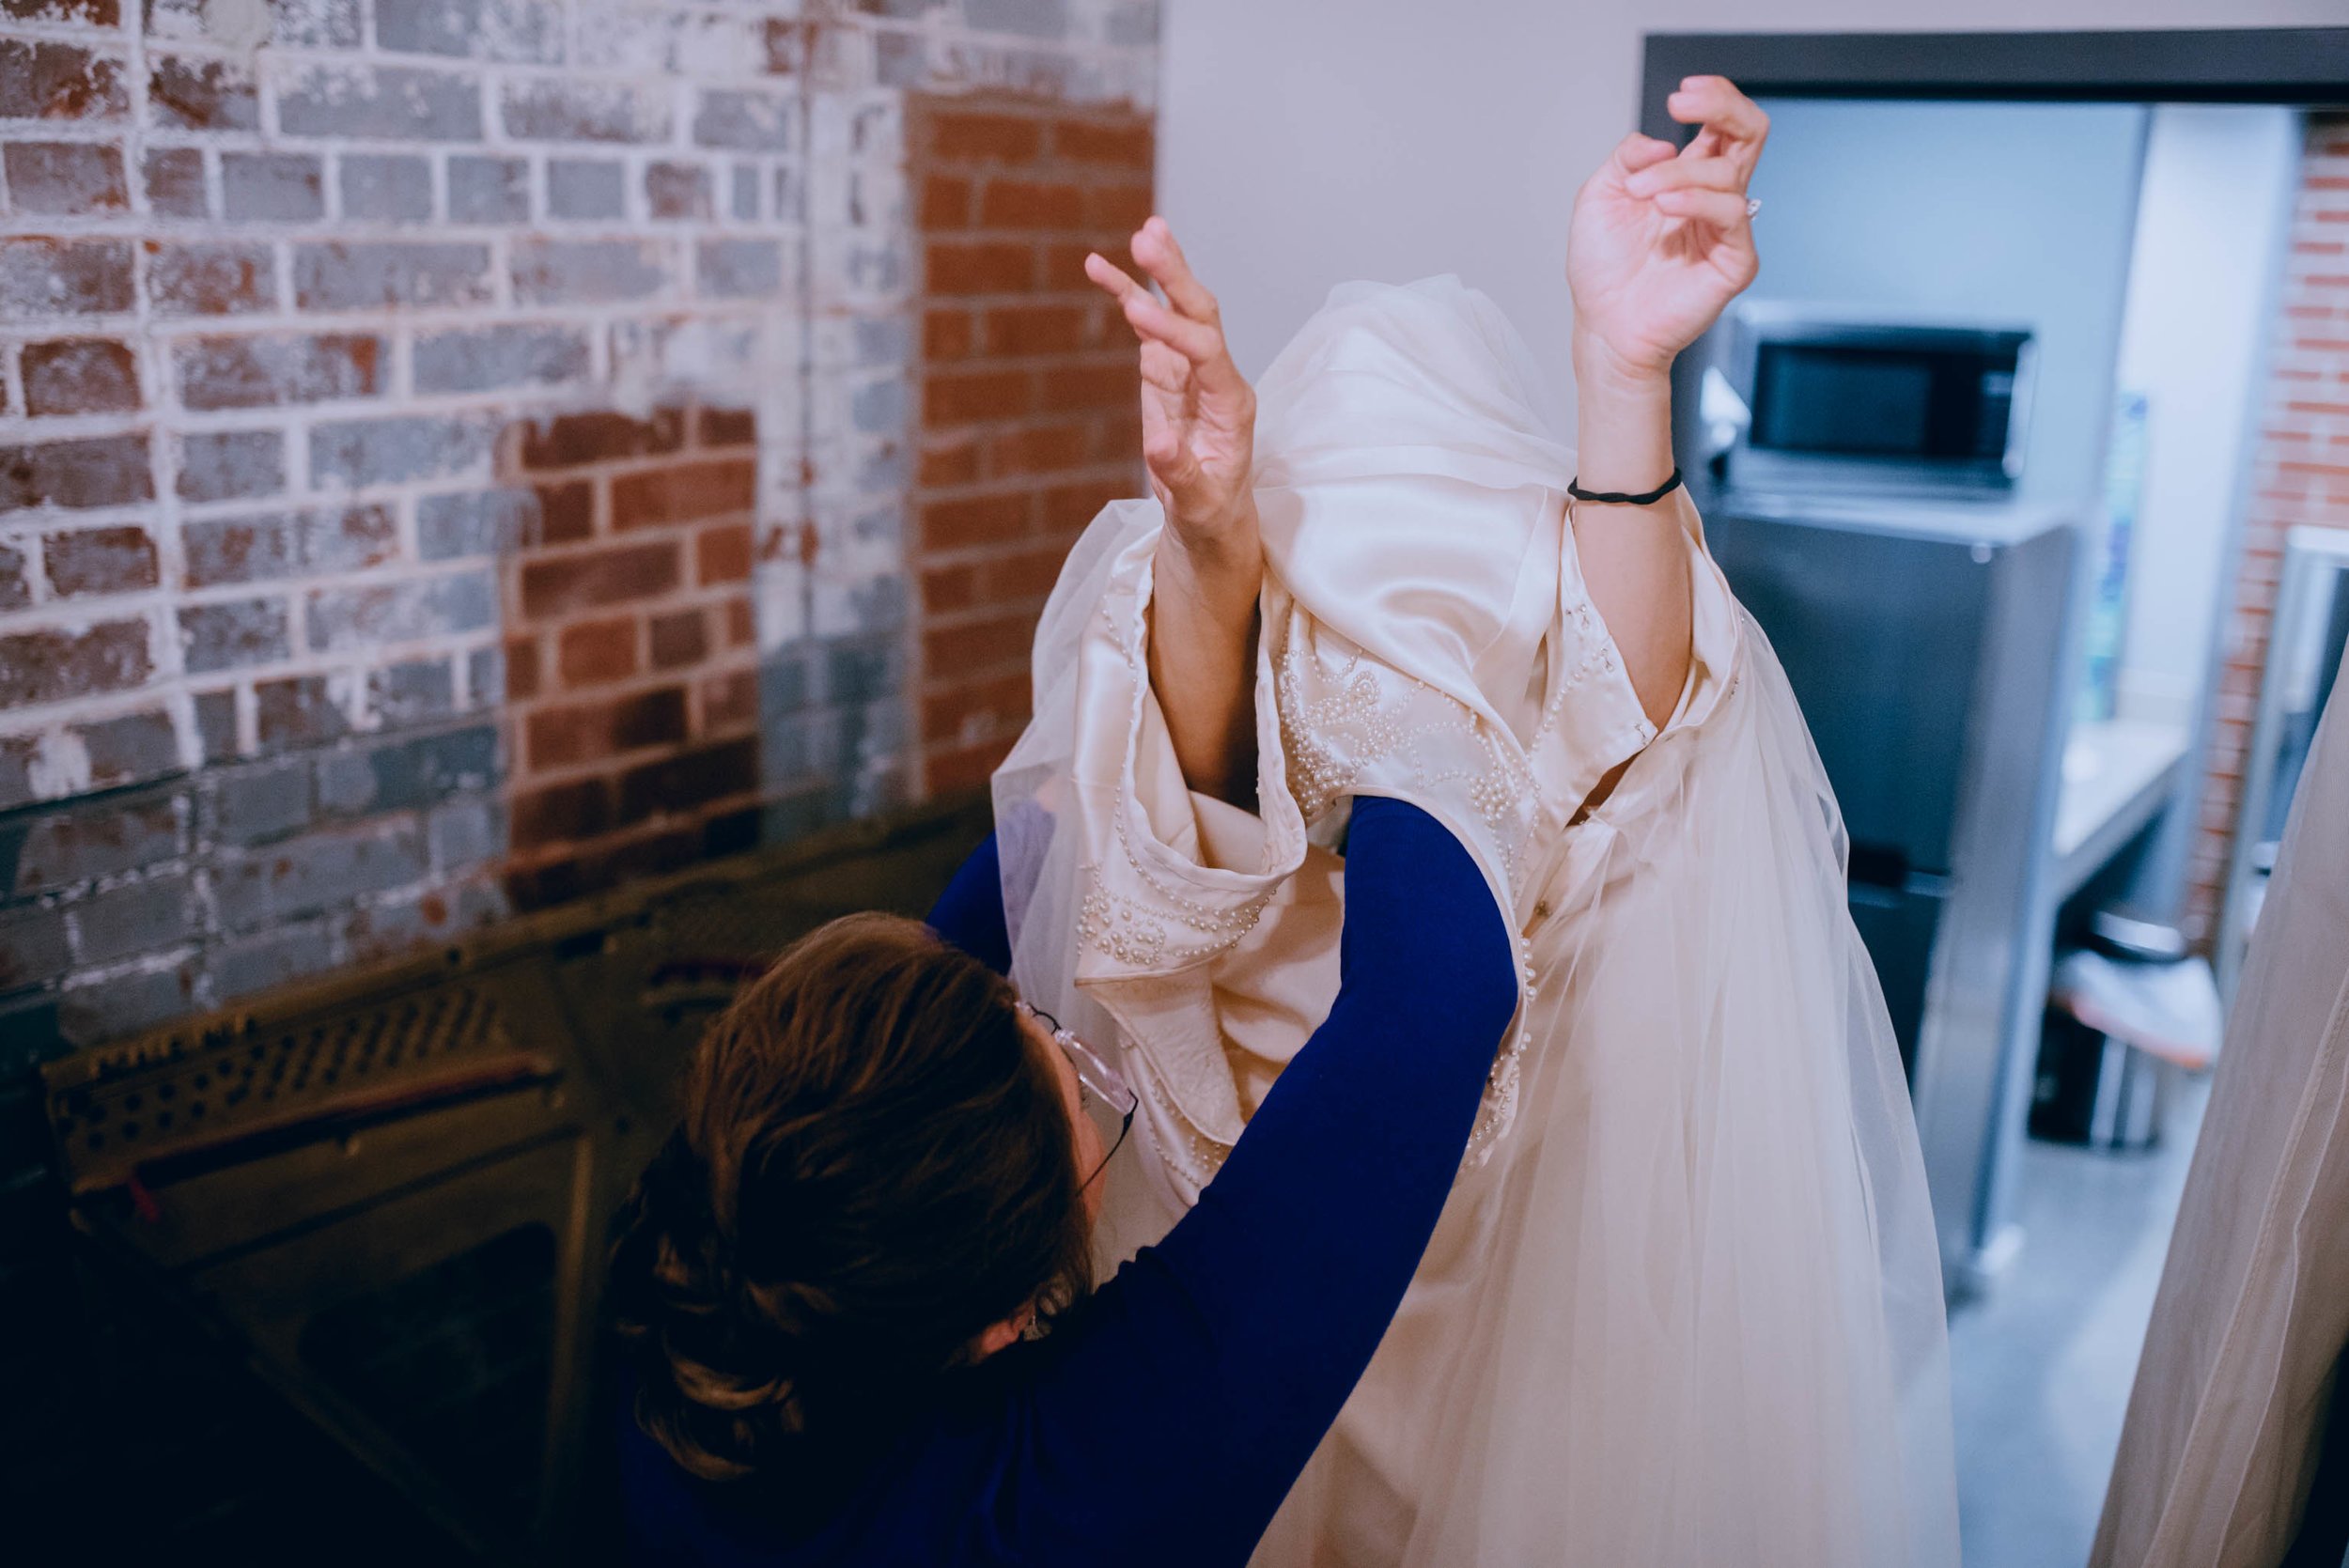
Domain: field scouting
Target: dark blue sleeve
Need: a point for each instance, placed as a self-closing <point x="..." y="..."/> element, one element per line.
<point x="1198" y="1381"/>
<point x="970" y="914"/>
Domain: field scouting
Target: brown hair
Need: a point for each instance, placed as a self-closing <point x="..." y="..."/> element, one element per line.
<point x="875" y="1164"/>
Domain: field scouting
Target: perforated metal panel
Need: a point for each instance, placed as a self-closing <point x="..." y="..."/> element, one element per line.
<point x="174" y="1093"/>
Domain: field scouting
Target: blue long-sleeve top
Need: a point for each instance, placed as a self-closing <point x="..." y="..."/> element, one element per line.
<point x="1165" y="1420"/>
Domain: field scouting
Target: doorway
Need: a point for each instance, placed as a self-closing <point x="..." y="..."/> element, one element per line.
<point x="2140" y="222"/>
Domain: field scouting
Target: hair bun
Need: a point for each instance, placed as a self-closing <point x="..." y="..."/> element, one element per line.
<point x="714" y="1350"/>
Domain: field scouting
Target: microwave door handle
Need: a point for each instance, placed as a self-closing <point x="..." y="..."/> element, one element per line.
<point x="2019" y="407"/>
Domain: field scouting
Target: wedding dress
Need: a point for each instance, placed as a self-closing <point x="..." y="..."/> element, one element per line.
<point x="1684" y="1304"/>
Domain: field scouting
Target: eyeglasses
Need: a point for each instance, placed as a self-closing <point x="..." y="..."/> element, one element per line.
<point x="1097" y="1078"/>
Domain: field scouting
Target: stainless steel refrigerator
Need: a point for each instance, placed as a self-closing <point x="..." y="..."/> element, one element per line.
<point x="1931" y="647"/>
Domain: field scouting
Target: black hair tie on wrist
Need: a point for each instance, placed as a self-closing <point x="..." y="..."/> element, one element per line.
<point x="1619" y="498"/>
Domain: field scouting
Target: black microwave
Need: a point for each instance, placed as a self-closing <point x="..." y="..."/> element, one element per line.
<point x="1842" y="402"/>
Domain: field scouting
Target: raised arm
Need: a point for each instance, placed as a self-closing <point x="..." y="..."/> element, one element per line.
<point x="1661" y="245"/>
<point x="1201" y="1377"/>
<point x="1198" y="436"/>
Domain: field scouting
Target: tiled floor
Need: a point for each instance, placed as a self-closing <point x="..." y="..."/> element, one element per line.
<point x="2042" y="1367"/>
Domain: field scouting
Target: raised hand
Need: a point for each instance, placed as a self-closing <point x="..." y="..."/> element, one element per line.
<point x="1661" y="242"/>
<point x="1198" y="413"/>
<point x="1199" y="439"/>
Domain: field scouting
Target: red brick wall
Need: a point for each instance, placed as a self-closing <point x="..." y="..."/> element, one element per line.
<point x="1026" y="389"/>
<point x="632" y="659"/>
<point x="2302" y="478"/>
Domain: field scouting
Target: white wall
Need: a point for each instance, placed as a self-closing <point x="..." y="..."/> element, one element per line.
<point x="1305" y="141"/>
<point x="2213" y="214"/>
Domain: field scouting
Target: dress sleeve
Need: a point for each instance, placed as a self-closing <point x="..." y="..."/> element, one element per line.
<point x="1713" y="631"/>
<point x="1192" y="1391"/>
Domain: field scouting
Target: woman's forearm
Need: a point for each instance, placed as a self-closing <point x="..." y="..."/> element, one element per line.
<point x="1202" y="658"/>
<point x="1635" y="559"/>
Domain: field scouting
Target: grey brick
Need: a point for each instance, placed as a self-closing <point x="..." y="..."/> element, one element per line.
<point x="1035" y="18"/>
<point x="390" y="102"/>
<point x="430" y="768"/>
<point x="421" y="771"/>
<point x="175" y="182"/>
<point x="500" y="357"/>
<point x="1134" y="23"/>
<point x="388" y="451"/>
<point x="877" y="266"/>
<point x="261" y="371"/>
<point x="677" y="191"/>
<point x="786" y="683"/>
<point x="315" y="24"/>
<point x="432" y="607"/>
<point x="186" y="94"/>
<point x="883" y="604"/>
<point x="475" y="523"/>
<point x="862" y="671"/>
<point x="345" y="785"/>
<point x="751" y="122"/>
<point x="386" y="926"/>
<point x="229" y="465"/>
<point x="488" y="190"/>
<point x="68" y="846"/>
<point x="880" y="339"/>
<point x="130" y="749"/>
<point x="485" y="676"/>
<point x="879" y="408"/>
<point x="41" y="277"/>
<point x="75" y="661"/>
<point x="118" y="1004"/>
<point x="101" y="471"/>
<point x="900" y="59"/>
<point x="418" y="689"/>
<point x="318" y="871"/>
<point x="466" y="833"/>
<point x="287" y="544"/>
<point x="527" y="31"/>
<point x="797" y="747"/>
<point x="554" y="110"/>
<point x="271" y="187"/>
<point x="881" y="469"/>
<point x="739" y="269"/>
<point x="588" y="272"/>
<point x="295" y="712"/>
<point x="209" y="279"/>
<point x="68" y="177"/>
<point x="216" y="726"/>
<point x="387" y="187"/>
<point x="412" y="774"/>
<point x="298" y="23"/>
<point x="265" y="801"/>
<point x="365" y="275"/>
<point x="231" y="635"/>
<point x="32" y="946"/>
<point x="584" y="189"/>
<point x="244" y="966"/>
<point x="145" y="916"/>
